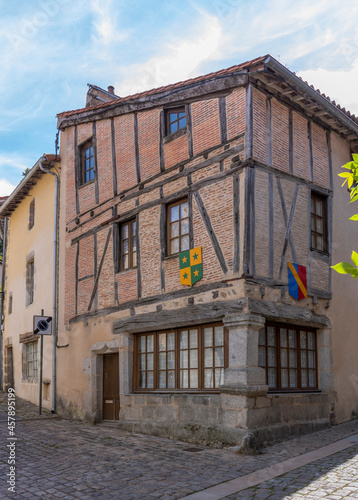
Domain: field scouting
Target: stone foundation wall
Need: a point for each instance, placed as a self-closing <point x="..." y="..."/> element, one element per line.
<point x="249" y="422"/>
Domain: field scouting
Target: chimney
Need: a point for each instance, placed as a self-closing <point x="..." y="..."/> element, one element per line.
<point x="111" y="89"/>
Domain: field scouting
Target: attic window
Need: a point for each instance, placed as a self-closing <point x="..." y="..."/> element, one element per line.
<point x="176" y="119"/>
<point x="31" y="214"/>
<point x="87" y="163"/>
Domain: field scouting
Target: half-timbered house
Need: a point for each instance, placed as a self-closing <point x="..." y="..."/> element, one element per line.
<point x="236" y="169"/>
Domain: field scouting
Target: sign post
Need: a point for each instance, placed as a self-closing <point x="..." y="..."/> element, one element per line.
<point x="42" y="326"/>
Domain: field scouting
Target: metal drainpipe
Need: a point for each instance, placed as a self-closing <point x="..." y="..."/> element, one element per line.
<point x="55" y="264"/>
<point x="2" y="303"/>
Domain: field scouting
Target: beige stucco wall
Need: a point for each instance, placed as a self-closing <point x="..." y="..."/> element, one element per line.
<point x="23" y="243"/>
<point x="343" y="310"/>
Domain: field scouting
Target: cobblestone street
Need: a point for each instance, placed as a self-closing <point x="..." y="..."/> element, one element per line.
<point x="60" y="458"/>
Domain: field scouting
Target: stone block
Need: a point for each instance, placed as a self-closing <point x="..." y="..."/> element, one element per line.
<point x="216" y="401"/>
<point x="325" y="359"/>
<point x="324" y="411"/>
<point x="202" y="400"/>
<point x="131" y="413"/>
<point x="311" y="412"/>
<point x="166" y="399"/>
<point x="229" y="418"/>
<point x="153" y="399"/>
<point x="182" y="399"/>
<point x="256" y="418"/>
<point x="283" y="400"/>
<point x="318" y="398"/>
<point x="243" y="375"/>
<point x="324" y="338"/>
<point x="326" y="381"/>
<point x="187" y="414"/>
<point x="207" y="415"/>
<point x="263" y="402"/>
<point x="231" y="401"/>
<point x="274" y="415"/>
<point x="126" y="400"/>
<point x="138" y="399"/>
<point x="292" y="413"/>
<point x="167" y="414"/>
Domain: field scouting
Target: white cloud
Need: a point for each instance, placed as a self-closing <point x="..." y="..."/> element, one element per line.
<point x="14" y="161"/>
<point x="338" y="85"/>
<point x="21" y="113"/>
<point x="181" y="59"/>
<point x="5" y="187"/>
<point x="106" y="29"/>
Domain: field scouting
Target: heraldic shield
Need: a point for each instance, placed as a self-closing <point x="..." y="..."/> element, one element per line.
<point x="297" y="281"/>
<point x="191" y="266"/>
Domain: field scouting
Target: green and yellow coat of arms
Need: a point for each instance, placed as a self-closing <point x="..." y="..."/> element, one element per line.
<point x="191" y="266"/>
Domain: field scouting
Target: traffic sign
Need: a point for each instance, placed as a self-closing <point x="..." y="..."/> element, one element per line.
<point x="42" y="325"/>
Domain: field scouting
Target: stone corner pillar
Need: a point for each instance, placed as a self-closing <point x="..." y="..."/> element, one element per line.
<point x="243" y="369"/>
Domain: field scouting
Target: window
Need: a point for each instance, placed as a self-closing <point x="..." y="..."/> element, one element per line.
<point x="128" y="249"/>
<point x="31" y="360"/>
<point x="176" y="119"/>
<point x="318" y="223"/>
<point x="30" y="281"/>
<point x="289" y="356"/>
<point x="178" y="227"/>
<point x="9" y="310"/>
<point x="181" y="359"/>
<point x="87" y="163"/>
<point x="31" y="214"/>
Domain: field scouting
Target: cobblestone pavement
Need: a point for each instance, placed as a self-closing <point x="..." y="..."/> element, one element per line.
<point x="61" y="458"/>
<point x="334" y="477"/>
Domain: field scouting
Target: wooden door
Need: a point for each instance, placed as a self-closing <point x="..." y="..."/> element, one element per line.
<point x="111" y="387"/>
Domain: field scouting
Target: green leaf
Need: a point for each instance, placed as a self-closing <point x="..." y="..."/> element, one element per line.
<point x="354" y="217"/>
<point x="355" y="158"/>
<point x="345" y="174"/>
<point x="344" y="268"/>
<point x="354" y="198"/>
<point x="354" y="258"/>
<point x="348" y="165"/>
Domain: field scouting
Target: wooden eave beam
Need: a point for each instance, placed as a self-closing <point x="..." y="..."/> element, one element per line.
<point x="175" y="95"/>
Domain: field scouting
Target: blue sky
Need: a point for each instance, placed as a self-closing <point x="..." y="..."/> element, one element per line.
<point x="51" y="49"/>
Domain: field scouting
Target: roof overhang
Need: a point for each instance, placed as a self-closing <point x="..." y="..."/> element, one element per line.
<point x="288" y="86"/>
<point x="265" y="72"/>
<point x="27" y="183"/>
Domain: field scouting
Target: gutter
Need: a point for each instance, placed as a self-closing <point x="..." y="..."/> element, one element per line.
<point x="294" y="80"/>
<point x="55" y="266"/>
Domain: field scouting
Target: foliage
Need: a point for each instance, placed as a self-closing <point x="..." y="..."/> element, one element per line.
<point x="26" y="171"/>
<point x="351" y="178"/>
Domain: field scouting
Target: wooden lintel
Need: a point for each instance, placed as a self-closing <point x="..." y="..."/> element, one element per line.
<point x="172" y="318"/>
<point x="284" y="312"/>
<point x="183" y="292"/>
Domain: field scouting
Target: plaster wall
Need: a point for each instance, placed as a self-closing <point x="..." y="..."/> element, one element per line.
<point x="343" y="309"/>
<point x="23" y="244"/>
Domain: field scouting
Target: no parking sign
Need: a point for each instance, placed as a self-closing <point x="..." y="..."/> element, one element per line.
<point x="42" y="325"/>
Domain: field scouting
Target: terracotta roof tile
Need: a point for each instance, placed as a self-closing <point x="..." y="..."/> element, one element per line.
<point x="169" y="87"/>
<point x="248" y="65"/>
